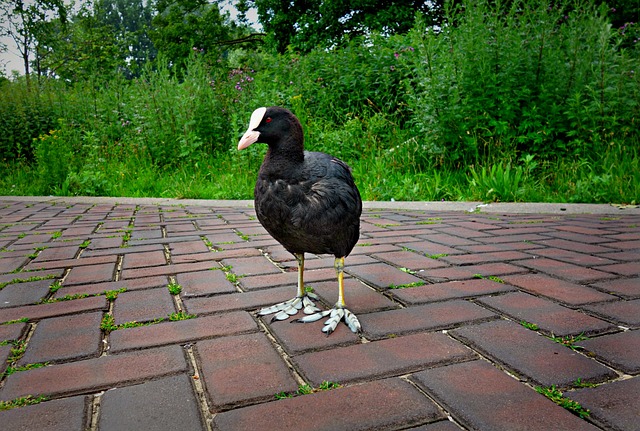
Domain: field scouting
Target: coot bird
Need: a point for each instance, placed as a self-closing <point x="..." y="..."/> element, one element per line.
<point x="309" y="203"/>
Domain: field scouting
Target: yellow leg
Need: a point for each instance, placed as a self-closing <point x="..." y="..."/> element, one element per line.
<point x="300" y="260"/>
<point x="339" y="266"/>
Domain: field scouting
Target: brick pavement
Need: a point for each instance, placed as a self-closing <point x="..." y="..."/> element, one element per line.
<point x="464" y="315"/>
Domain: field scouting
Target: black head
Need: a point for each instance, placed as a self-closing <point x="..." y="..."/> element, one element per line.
<point x="275" y="126"/>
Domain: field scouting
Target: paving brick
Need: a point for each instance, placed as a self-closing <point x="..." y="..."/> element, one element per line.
<point x="57" y="253"/>
<point x="63" y="338"/>
<point x="626" y="313"/>
<point x="626" y="269"/>
<point x="138" y="260"/>
<point x="10" y="264"/>
<point x="358" y="297"/>
<point x="69" y="263"/>
<point x="182" y="331"/>
<point x="382" y="358"/>
<point x="382" y="276"/>
<point x="92" y="375"/>
<point x="99" y="288"/>
<point x="552" y="318"/>
<point x="625" y="245"/>
<point x="56" y="415"/>
<point x="578" y="237"/>
<point x="481" y="397"/>
<point x="160" y="405"/>
<point x="143" y="305"/>
<point x="478" y="258"/>
<point x="448" y="240"/>
<point x="504" y="246"/>
<point x="614" y="405"/>
<point x="571" y="256"/>
<point x="430" y="248"/>
<point x="620" y="350"/>
<point x="41" y="311"/>
<point x="13" y="331"/>
<point x="242" y="369"/>
<point x="566" y="270"/>
<point x="470" y="271"/>
<point x="251" y="266"/>
<point x="445" y="425"/>
<point x="449" y="290"/>
<point x="239" y="301"/>
<point x="408" y="259"/>
<point x="269" y="280"/>
<point x="91" y="274"/>
<point x="349" y="408"/>
<point x="429" y="317"/>
<point x="510" y="236"/>
<point x="530" y="356"/>
<point x="30" y="292"/>
<point x="574" y="246"/>
<point x="188" y="247"/>
<point x="204" y="283"/>
<point x="560" y="290"/>
<point x="5" y="352"/>
<point x="627" y="287"/>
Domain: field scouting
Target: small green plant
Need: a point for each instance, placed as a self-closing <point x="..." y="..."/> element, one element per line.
<point x="406" y="285"/>
<point x="55" y="235"/>
<point x="436" y="256"/>
<point x="570" y="340"/>
<point x="111" y="295"/>
<point x="21" y="402"/>
<point x="364" y="244"/>
<point x="85" y="244"/>
<point x="36" y="252"/>
<point x="283" y="395"/>
<point x="55" y="286"/>
<point x="10" y="370"/>
<point x="108" y="324"/>
<point x="581" y="384"/>
<point x="407" y="270"/>
<point x="528" y="325"/>
<point x="305" y="390"/>
<point x="557" y="397"/>
<point x="11" y="322"/>
<point x="64" y="298"/>
<point x="181" y="315"/>
<point x="174" y="288"/>
<point x="327" y="386"/>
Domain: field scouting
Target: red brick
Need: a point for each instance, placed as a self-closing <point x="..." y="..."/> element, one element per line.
<point x="566" y="270"/>
<point x="30" y="292"/>
<point x="620" y="350"/>
<point x="625" y="245"/>
<point x="504" y="246"/>
<point x="574" y="246"/>
<point x="511" y="236"/>
<point x="470" y="271"/>
<point x="430" y="248"/>
<point x="298" y="338"/>
<point x="410" y="260"/>
<point x="552" y="318"/>
<point x="578" y="237"/>
<point x="262" y="281"/>
<point x="41" y="311"/>
<point x="69" y="263"/>
<point x="204" y="282"/>
<point x="251" y="266"/>
<point x="530" y="356"/>
<point x="92" y="375"/>
<point x="164" y="404"/>
<point x="10" y="264"/>
<point x="143" y="305"/>
<point x="614" y="405"/>
<point x="188" y="247"/>
<point x="182" y="331"/>
<point x="429" y="317"/>
<point x="137" y="260"/>
<point x="65" y="337"/>
<point x="13" y="331"/>
<point x="99" y="288"/>
<point x="349" y="408"/>
<point x="382" y="276"/>
<point x="625" y="313"/>
<point x="449" y="290"/>
<point x="382" y="358"/>
<point x="358" y="297"/>
<point x="91" y="274"/>
<point x="239" y="301"/>
<point x="481" y="397"/>
<point x="242" y="369"/>
<point x="629" y="287"/>
<point x="477" y="258"/>
<point x="144" y="234"/>
<point x="57" y="253"/>
<point x="570" y="256"/>
<point x="560" y="290"/>
<point x="55" y="415"/>
<point x="627" y="268"/>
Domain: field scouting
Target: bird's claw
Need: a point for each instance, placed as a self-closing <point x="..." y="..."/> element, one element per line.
<point x="291" y="307"/>
<point x="336" y="314"/>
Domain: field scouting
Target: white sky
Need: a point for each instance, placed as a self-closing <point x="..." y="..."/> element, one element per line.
<point x="11" y="59"/>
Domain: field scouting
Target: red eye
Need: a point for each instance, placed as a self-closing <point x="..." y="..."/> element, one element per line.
<point x="268" y="120"/>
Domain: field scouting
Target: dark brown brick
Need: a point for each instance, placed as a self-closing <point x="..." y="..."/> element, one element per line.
<point x="183" y="331"/>
<point x="411" y="260"/>
<point x="56" y="415"/>
<point x="481" y="397"/>
<point x="552" y="318"/>
<point x="36" y="312"/>
<point x="628" y="287"/>
<point x="619" y="350"/>
<point x="91" y="273"/>
<point x="566" y="270"/>
<point x="560" y="290"/>
<point x="479" y="258"/>
<point x="358" y="297"/>
<point x="188" y="247"/>
<point x="138" y="260"/>
<point x="349" y="408"/>
<point x="30" y="292"/>
<point x="471" y="271"/>
<point x="449" y="290"/>
<point x="626" y="313"/>
<point x="99" y="288"/>
<point x="164" y="404"/>
<point x="382" y="358"/>
<point x="269" y="280"/>
<point x="427" y="317"/>
<point x="614" y="405"/>
<point x="251" y="266"/>
<point x="239" y="301"/>
<point x="207" y="282"/>
<point x="13" y="331"/>
<point x="382" y="276"/>
<point x="530" y="356"/>
<point x="242" y="369"/>
<point x="63" y="338"/>
<point x="143" y="305"/>
<point x="92" y="375"/>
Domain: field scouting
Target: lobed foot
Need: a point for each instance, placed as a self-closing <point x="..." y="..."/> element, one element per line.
<point x="291" y="307"/>
<point x="336" y="314"/>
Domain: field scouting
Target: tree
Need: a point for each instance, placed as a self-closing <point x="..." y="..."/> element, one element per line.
<point x="28" y="23"/>
<point x="305" y="24"/>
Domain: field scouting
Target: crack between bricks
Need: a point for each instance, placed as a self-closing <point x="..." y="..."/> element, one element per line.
<point x="285" y="357"/>
<point x="205" y="409"/>
<point x="95" y="411"/>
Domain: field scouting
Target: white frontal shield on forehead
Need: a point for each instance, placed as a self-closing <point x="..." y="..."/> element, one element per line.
<point x="251" y="136"/>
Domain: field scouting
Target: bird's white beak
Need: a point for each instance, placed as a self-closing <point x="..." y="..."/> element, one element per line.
<point x="251" y="135"/>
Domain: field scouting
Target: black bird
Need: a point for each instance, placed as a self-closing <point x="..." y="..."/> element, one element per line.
<point x="309" y="203"/>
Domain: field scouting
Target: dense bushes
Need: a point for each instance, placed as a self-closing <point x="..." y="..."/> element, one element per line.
<point x="528" y="102"/>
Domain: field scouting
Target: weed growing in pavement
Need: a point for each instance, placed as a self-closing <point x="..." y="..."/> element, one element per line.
<point x="55" y="235"/>
<point x="436" y="256"/>
<point x="111" y="295"/>
<point x="36" y="252"/>
<point x="307" y="389"/>
<point x="570" y="340"/>
<point x="491" y="277"/>
<point x="556" y="396"/>
<point x="26" y="280"/>
<point x="21" y="402"/>
<point x="64" y="298"/>
<point x="580" y="384"/>
<point x="529" y="325"/>
<point x="11" y="322"/>
<point x="406" y="285"/>
<point x="174" y="288"/>
<point x="181" y="315"/>
<point x="85" y="244"/>
<point x="108" y="324"/>
<point x="10" y="370"/>
<point x="408" y="271"/>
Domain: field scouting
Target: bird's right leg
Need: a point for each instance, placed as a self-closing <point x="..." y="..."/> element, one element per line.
<point x="291" y="307"/>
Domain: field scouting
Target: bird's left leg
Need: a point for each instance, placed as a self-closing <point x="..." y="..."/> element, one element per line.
<point x="339" y="311"/>
<point x="303" y="299"/>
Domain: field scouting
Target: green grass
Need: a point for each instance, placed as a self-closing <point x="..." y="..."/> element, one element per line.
<point x="21" y="402"/>
<point x="557" y="397"/>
